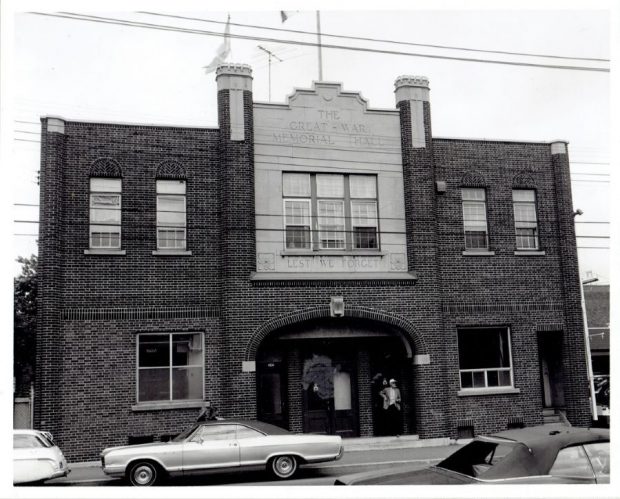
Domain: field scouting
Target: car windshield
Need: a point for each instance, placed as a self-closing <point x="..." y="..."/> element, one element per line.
<point x="183" y="435"/>
<point x="477" y="457"/>
<point x="26" y="441"/>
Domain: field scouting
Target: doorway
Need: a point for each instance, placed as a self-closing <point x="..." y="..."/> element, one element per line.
<point x="329" y="393"/>
<point x="550" y="354"/>
<point x="272" y="395"/>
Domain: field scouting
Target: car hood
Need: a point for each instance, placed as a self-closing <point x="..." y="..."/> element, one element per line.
<point x="405" y="476"/>
<point x="137" y="447"/>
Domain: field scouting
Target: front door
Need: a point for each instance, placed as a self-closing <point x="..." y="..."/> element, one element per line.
<point x="329" y="395"/>
<point x="272" y="393"/>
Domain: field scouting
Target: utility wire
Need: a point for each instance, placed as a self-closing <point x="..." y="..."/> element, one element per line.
<point x="347" y="37"/>
<point x="134" y="24"/>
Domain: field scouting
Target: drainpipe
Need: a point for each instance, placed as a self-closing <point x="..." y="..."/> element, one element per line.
<point x="588" y="353"/>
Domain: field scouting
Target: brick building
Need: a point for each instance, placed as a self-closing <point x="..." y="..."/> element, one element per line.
<point x="283" y="265"/>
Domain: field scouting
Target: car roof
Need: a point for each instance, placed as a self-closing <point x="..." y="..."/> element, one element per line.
<point x="266" y="428"/>
<point x="539" y="447"/>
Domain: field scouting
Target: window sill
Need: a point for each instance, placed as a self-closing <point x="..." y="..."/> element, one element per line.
<point x="327" y="252"/>
<point x="529" y="253"/>
<point x="166" y="405"/>
<point x="478" y="253"/>
<point x="163" y="252"/>
<point x="468" y="392"/>
<point x="115" y="252"/>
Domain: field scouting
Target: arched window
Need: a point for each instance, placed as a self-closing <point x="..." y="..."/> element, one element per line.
<point x="171" y="191"/>
<point x="105" y="205"/>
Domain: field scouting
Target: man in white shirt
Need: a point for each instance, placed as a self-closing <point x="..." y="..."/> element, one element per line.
<point x="391" y="404"/>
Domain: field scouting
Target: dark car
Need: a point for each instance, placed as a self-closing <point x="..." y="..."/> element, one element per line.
<point x="539" y="454"/>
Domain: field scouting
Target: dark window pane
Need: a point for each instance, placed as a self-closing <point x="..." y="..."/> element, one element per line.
<point x="186" y="350"/>
<point x="153" y="384"/>
<point x="365" y="237"/>
<point x="493" y="378"/>
<point x="297" y="237"/>
<point x="467" y="380"/>
<point x="483" y="348"/>
<point x="154" y="350"/>
<point x="479" y="379"/>
<point x="475" y="240"/>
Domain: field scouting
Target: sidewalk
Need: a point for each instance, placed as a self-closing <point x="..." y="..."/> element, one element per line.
<point x="398" y="450"/>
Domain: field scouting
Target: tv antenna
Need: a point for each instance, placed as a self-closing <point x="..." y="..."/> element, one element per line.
<point x="270" y="54"/>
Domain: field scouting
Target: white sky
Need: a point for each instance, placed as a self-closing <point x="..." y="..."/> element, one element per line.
<point x="89" y="71"/>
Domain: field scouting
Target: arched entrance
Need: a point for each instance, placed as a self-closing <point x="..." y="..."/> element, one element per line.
<point x="324" y="375"/>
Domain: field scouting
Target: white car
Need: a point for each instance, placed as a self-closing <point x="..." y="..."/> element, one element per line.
<point x="36" y="457"/>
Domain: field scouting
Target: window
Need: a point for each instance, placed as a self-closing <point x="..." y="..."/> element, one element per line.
<point x="170" y="367"/>
<point x="484" y="358"/>
<point x="598" y="454"/>
<point x="208" y="433"/>
<point x="330" y="211"/>
<point x="526" y="225"/>
<point x="245" y="432"/>
<point x="475" y="219"/>
<point x="105" y="213"/>
<point x="572" y="462"/>
<point x="25" y="441"/>
<point x="171" y="223"/>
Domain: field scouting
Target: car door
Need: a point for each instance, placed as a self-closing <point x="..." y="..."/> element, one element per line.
<point x="254" y="446"/>
<point x="211" y="446"/>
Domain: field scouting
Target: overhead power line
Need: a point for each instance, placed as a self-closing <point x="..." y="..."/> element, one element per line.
<point x="365" y="39"/>
<point x="135" y="24"/>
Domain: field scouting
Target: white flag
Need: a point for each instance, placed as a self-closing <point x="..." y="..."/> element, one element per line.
<point x="223" y="50"/>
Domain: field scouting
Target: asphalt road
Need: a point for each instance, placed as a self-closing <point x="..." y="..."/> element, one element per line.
<point x="318" y="474"/>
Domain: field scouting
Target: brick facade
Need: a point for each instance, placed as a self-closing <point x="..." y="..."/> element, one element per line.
<point x="92" y="306"/>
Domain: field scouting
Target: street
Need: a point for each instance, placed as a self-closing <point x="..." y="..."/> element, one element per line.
<point x="318" y="474"/>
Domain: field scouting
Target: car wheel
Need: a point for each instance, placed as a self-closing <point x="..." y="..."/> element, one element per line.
<point x="284" y="466"/>
<point x="143" y="474"/>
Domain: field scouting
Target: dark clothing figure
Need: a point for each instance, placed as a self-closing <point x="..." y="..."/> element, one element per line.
<point x="207" y="414"/>
<point x="391" y="406"/>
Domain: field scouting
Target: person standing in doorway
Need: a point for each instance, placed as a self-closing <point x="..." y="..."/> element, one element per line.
<point x="391" y="406"/>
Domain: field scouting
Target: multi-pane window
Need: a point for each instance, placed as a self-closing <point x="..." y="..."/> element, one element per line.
<point x="330" y="211"/>
<point x="475" y="218"/>
<point x="171" y="219"/>
<point x="526" y="224"/>
<point x="484" y="358"/>
<point x="105" y="213"/>
<point x="170" y="366"/>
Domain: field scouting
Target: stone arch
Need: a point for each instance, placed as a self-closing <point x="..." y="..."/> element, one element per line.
<point x="323" y="312"/>
<point x="524" y="180"/>
<point x="170" y="170"/>
<point x="473" y="179"/>
<point x="105" y="167"/>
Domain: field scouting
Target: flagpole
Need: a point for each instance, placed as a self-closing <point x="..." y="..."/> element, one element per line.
<point x="318" y="34"/>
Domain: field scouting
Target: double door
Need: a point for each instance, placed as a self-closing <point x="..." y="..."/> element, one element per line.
<point x="329" y="395"/>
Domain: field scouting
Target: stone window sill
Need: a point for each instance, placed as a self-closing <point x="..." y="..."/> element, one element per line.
<point x="478" y="253"/>
<point x="167" y="405"/>
<point x="529" y="253"/>
<point x="469" y="392"/>
<point x="112" y="252"/>
<point x="172" y="253"/>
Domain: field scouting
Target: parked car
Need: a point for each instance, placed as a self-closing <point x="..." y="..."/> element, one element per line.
<point x="36" y="457"/>
<point x="540" y="454"/>
<point x="219" y="445"/>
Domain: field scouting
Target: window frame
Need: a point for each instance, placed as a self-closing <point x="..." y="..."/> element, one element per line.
<point x="170" y="366"/>
<point x="159" y="225"/>
<point x="474" y="202"/>
<point x="536" y="218"/>
<point x="486" y="370"/>
<point x="91" y="224"/>
<point x="347" y="202"/>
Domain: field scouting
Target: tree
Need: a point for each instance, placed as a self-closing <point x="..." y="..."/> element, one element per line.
<point x="25" y="325"/>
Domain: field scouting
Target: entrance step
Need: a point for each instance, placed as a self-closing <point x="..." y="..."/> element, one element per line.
<point x="553" y="415"/>
<point x="400" y="442"/>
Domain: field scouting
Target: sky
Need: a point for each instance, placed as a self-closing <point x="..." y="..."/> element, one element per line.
<point x="83" y="70"/>
<point x="97" y="71"/>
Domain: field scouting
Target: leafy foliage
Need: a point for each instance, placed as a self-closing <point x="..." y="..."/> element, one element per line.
<point x="25" y="324"/>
